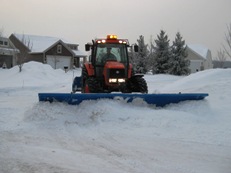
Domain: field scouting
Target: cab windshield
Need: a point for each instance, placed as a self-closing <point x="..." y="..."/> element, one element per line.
<point x="111" y="52"/>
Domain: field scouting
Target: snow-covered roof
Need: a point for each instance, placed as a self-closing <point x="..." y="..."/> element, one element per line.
<point x="79" y="53"/>
<point x="199" y="49"/>
<point x="39" y="44"/>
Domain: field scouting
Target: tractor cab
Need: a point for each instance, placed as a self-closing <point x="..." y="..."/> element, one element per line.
<point x="109" y="69"/>
<point x="110" y="52"/>
<point x="109" y="57"/>
<point x="109" y="49"/>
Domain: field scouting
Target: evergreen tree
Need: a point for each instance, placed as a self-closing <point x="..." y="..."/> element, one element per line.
<point x="151" y="55"/>
<point x="162" y="54"/>
<point x="179" y="64"/>
<point x="140" y="60"/>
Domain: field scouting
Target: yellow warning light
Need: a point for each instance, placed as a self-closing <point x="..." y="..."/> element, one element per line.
<point x="111" y="36"/>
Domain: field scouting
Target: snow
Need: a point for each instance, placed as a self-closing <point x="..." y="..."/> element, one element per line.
<point x="200" y="49"/>
<point x="37" y="43"/>
<point x="108" y="135"/>
<point x="80" y="53"/>
<point x="40" y="44"/>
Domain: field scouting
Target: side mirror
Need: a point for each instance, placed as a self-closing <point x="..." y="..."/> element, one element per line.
<point x="136" y="48"/>
<point x="87" y="47"/>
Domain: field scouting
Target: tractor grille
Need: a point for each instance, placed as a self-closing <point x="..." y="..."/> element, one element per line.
<point x="116" y="73"/>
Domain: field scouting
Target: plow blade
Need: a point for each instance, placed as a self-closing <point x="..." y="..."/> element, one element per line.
<point x="158" y="100"/>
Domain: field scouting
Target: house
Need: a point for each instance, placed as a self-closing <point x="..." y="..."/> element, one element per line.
<point x="200" y="58"/>
<point x="56" y="52"/>
<point x="221" y="64"/>
<point x="8" y="53"/>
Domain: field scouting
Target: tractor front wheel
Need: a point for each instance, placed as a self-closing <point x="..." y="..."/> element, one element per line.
<point x="91" y="85"/>
<point x="138" y="84"/>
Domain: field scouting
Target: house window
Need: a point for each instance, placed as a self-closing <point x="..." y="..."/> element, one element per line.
<point x="4" y="43"/>
<point x="59" y="48"/>
<point x="74" y="47"/>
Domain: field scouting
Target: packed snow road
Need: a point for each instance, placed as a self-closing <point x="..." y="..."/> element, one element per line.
<point x="109" y="135"/>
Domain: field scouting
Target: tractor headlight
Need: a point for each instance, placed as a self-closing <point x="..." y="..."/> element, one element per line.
<point x="121" y="80"/>
<point x="114" y="80"/>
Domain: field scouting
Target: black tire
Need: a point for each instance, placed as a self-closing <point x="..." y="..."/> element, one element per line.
<point x="138" y="84"/>
<point x="74" y="85"/>
<point x="84" y="78"/>
<point x="84" y="74"/>
<point x="125" y="88"/>
<point x="91" y="85"/>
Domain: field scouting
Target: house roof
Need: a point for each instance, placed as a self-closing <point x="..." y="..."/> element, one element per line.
<point x="40" y="44"/>
<point x="199" y="49"/>
<point x="79" y="53"/>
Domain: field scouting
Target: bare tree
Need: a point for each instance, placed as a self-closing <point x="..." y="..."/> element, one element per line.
<point x="1" y="32"/>
<point x="228" y="41"/>
<point x="24" y="53"/>
<point x="221" y="55"/>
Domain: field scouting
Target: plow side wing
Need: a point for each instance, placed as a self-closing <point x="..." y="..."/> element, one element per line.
<point x="159" y="100"/>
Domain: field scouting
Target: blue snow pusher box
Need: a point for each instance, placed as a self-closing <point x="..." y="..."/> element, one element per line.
<point x="158" y="100"/>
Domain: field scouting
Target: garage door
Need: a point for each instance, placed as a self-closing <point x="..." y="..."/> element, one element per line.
<point x="59" y="61"/>
<point x="195" y="66"/>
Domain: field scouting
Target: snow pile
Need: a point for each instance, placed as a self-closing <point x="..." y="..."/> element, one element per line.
<point x="201" y="82"/>
<point x="110" y="136"/>
<point x="35" y="74"/>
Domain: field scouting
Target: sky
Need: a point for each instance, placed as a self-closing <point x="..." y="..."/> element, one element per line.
<point x="199" y="21"/>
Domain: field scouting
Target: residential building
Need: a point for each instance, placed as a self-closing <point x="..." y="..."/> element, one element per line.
<point x="200" y="58"/>
<point x="8" y="53"/>
<point x="56" y="52"/>
<point x="221" y="64"/>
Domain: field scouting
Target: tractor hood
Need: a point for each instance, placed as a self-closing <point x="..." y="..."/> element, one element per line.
<point x="114" y="65"/>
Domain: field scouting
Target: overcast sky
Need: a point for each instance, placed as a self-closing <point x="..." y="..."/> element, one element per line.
<point x="199" y="21"/>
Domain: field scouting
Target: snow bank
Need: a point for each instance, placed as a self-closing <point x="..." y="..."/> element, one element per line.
<point x="200" y="82"/>
<point x="37" y="75"/>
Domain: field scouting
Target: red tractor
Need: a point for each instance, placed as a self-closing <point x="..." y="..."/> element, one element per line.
<point x="109" y="69"/>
